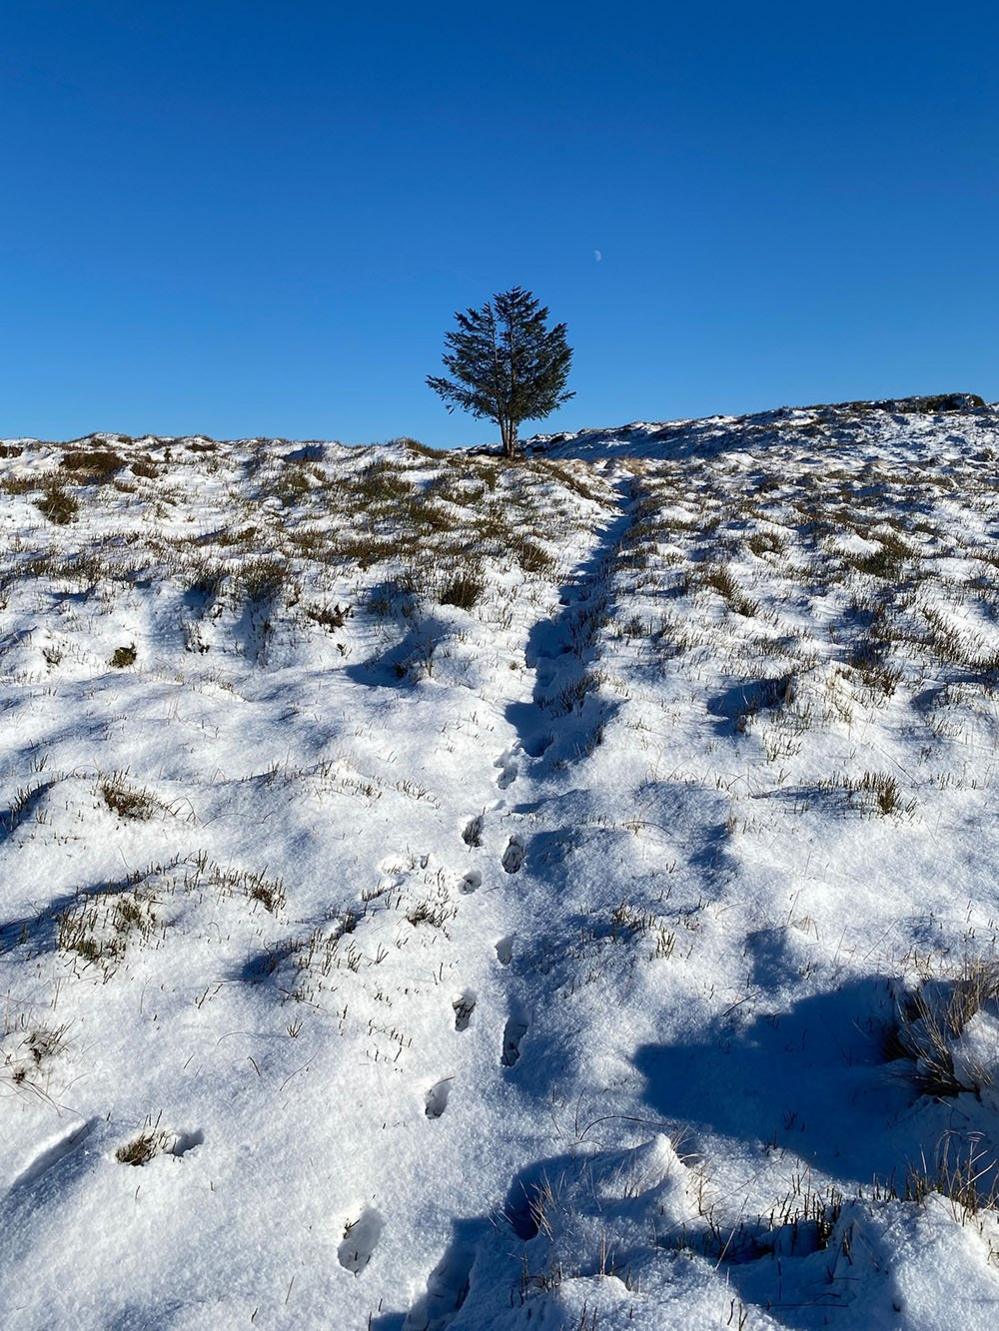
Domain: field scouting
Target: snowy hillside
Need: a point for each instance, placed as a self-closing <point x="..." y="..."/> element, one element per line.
<point x="443" y="895"/>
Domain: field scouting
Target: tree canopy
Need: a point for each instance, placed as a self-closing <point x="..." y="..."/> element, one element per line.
<point x="505" y="363"/>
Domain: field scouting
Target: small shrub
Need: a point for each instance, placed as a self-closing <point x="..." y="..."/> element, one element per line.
<point x="428" y="517"/>
<point x="422" y="450"/>
<point x="867" y="658"/>
<point x="263" y="579"/>
<point x="94" y="466"/>
<point x="46" y="1042"/>
<point x="767" y="543"/>
<point x="719" y="578"/>
<point x="929" y="1021"/>
<point x="966" y="1178"/>
<point x="125" y="800"/>
<point x="239" y="536"/>
<point x="886" y="793"/>
<point x="19" y="485"/>
<point x="292" y="484"/>
<point x="366" y="550"/>
<point x="463" y="591"/>
<point x="57" y="504"/>
<point x="98" y="929"/>
<point x="879" y="564"/>
<point x="434" y="913"/>
<point x="380" y="483"/>
<point x="249" y="883"/>
<point x="531" y="557"/>
<point x="878" y="792"/>
<point x="331" y="617"/>
<point x="207" y="579"/>
<point x="268" y="891"/>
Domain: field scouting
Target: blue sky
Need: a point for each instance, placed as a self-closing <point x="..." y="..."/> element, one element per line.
<point x="257" y="218"/>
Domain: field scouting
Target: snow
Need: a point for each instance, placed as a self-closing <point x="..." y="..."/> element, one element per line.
<point x="485" y="896"/>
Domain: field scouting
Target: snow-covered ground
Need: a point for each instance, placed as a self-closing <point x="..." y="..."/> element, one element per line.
<point x="440" y="894"/>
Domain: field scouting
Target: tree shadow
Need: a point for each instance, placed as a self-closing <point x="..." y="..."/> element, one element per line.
<point x="812" y="1080"/>
<point x="399" y="664"/>
<point x="732" y="705"/>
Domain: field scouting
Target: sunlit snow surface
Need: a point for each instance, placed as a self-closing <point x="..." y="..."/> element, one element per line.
<point x="503" y="897"/>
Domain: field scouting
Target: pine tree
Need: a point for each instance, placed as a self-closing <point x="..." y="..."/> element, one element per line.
<point x="507" y="366"/>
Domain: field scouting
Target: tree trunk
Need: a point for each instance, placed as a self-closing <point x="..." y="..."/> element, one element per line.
<point x="508" y="431"/>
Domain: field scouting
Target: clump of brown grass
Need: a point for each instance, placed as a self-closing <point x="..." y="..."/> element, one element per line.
<point x="930" y="1020"/>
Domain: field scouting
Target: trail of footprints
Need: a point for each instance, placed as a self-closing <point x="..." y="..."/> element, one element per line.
<point x="463" y="1005"/>
<point x="361" y="1235"/>
<point x="436" y="1098"/>
<point x="363" y="1229"/>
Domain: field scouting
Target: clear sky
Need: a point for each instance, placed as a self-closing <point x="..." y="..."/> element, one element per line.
<point x="257" y="218"/>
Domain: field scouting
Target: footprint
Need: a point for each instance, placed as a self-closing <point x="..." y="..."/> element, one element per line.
<point x="504" y="950"/>
<point x="472" y="835"/>
<point x="184" y="1142"/>
<point x="360" y="1238"/>
<point x="508" y="770"/>
<point x="538" y="745"/>
<point x="464" y="1006"/>
<point x="513" y="856"/>
<point x="525" y="1208"/>
<point x="471" y="882"/>
<point x="436" y="1101"/>
<point x="513" y="1034"/>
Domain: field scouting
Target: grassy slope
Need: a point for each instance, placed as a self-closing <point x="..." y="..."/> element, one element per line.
<point x="453" y="894"/>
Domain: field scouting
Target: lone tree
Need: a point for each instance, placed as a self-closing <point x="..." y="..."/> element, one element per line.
<point x="507" y="366"/>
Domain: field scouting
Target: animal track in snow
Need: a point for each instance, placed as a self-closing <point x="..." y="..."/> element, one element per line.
<point x="182" y="1142"/>
<point x="471" y="882"/>
<point x="436" y="1101"/>
<point x="464" y="1006"/>
<point x="513" y="856"/>
<point x="360" y="1238"/>
<point x="513" y="1034"/>
<point x="538" y="745"/>
<point x="504" y="950"/>
<point x="472" y="833"/>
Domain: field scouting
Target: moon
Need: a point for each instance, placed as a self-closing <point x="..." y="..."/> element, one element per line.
<point x="598" y="256"/>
